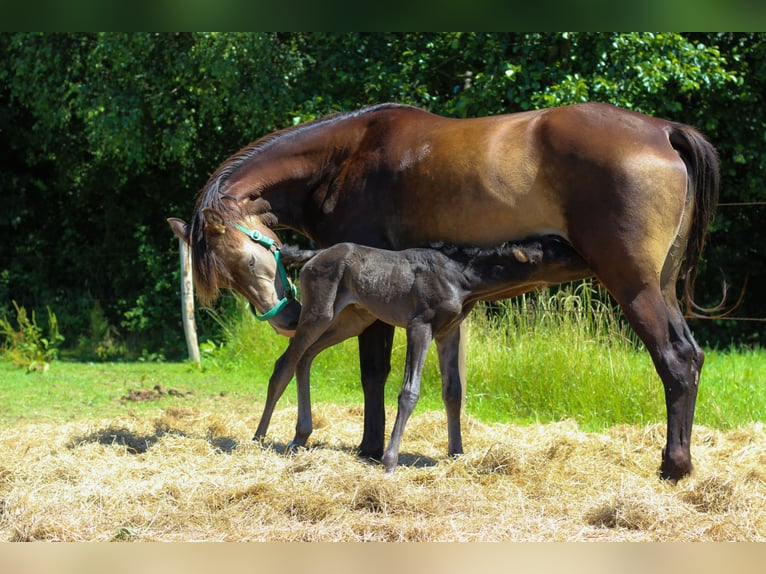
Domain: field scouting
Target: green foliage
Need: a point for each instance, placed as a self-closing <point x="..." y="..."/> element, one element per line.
<point x="26" y="344"/>
<point x="243" y="344"/>
<point x="102" y="341"/>
<point x="106" y="135"/>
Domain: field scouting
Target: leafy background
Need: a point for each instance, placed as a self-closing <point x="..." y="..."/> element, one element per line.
<point x="105" y="135"/>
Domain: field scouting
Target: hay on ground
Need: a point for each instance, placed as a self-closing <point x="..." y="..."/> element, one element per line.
<point x="193" y="475"/>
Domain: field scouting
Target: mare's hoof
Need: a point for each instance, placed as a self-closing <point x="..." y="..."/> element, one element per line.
<point x="674" y="470"/>
<point x="375" y="454"/>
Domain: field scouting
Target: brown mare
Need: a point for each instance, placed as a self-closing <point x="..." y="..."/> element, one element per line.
<point x="632" y="194"/>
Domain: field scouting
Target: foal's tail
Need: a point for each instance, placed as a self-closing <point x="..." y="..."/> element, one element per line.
<point x="293" y="257"/>
<point x="701" y="161"/>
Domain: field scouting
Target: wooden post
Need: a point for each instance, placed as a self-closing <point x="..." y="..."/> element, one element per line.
<point x="462" y="349"/>
<point x="187" y="303"/>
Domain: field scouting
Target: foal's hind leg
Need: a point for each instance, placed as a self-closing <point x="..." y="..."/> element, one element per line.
<point x="678" y="359"/>
<point x="418" y="339"/>
<point x="450" y="357"/>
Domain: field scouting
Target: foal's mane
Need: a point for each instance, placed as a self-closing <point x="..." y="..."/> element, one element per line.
<point x="206" y="264"/>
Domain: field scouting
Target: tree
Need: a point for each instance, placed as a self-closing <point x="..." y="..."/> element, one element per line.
<point x="108" y="134"/>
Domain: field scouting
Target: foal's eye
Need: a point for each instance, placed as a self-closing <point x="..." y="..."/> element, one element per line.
<point x="251" y="262"/>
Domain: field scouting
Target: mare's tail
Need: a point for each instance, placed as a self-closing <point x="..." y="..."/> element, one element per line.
<point x="701" y="161"/>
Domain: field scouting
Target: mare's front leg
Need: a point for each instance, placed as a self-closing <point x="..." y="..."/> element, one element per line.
<point x="418" y="339"/>
<point x="375" y="345"/>
<point x="452" y="366"/>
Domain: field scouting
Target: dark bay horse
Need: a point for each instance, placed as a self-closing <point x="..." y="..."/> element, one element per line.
<point x="632" y="194"/>
<point x="428" y="291"/>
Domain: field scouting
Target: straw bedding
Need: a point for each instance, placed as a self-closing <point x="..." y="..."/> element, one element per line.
<point x="193" y="474"/>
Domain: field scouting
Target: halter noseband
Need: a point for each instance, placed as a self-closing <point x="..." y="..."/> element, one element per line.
<point x="271" y="245"/>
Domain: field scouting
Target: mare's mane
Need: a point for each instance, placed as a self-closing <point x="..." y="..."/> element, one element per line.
<point x="211" y="195"/>
<point x="207" y="266"/>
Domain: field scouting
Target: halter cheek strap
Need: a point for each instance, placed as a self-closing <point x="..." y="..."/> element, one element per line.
<point x="271" y="245"/>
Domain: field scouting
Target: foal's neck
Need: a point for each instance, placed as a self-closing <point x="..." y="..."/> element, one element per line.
<point x="490" y="270"/>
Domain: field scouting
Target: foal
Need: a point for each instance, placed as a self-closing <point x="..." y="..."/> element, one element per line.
<point x="428" y="291"/>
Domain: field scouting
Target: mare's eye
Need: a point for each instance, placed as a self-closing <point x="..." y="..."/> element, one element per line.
<point x="251" y="262"/>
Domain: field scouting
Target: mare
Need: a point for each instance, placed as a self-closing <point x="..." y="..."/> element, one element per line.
<point x="633" y="195"/>
<point x="428" y="291"/>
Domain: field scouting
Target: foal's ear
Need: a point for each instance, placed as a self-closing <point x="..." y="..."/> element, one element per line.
<point x="214" y="223"/>
<point x="180" y="229"/>
<point x="520" y="255"/>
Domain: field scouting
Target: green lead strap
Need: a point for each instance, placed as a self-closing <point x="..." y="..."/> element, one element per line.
<point x="270" y="244"/>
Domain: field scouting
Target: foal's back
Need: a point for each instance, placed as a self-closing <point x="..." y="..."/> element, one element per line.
<point x="393" y="286"/>
<point x="399" y="287"/>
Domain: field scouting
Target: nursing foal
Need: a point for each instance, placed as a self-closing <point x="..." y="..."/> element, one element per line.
<point x="427" y="291"/>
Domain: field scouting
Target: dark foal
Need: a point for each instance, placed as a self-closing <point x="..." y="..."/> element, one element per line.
<point x="428" y="291"/>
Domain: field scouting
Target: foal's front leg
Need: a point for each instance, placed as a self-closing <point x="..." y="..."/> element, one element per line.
<point x="284" y="368"/>
<point x="280" y="377"/>
<point x="348" y="323"/>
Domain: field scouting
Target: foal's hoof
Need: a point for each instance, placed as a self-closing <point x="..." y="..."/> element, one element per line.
<point x="261" y="440"/>
<point x="294" y="447"/>
<point x="389" y="463"/>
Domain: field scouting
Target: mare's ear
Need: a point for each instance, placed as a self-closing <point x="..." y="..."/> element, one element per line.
<point x="214" y="223"/>
<point x="180" y="229"/>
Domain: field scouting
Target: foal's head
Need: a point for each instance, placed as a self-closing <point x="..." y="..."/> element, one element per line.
<point x="242" y="254"/>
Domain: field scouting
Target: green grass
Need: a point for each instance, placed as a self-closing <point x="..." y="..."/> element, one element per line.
<point x="541" y="358"/>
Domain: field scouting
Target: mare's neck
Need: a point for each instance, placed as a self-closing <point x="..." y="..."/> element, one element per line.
<point x="291" y="172"/>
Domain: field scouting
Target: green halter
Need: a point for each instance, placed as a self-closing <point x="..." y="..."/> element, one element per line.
<point x="271" y="245"/>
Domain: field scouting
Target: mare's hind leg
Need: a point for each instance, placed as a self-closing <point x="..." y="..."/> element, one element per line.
<point x="418" y="339"/>
<point x="658" y="321"/>
<point x="375" y="345"/>
<point x="450" y="357"/>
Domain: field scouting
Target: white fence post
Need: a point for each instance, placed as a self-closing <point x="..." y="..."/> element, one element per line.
<point x="187" y="303"/>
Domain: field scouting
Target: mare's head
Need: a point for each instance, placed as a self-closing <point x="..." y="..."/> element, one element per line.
<point x="231" y="250"/>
